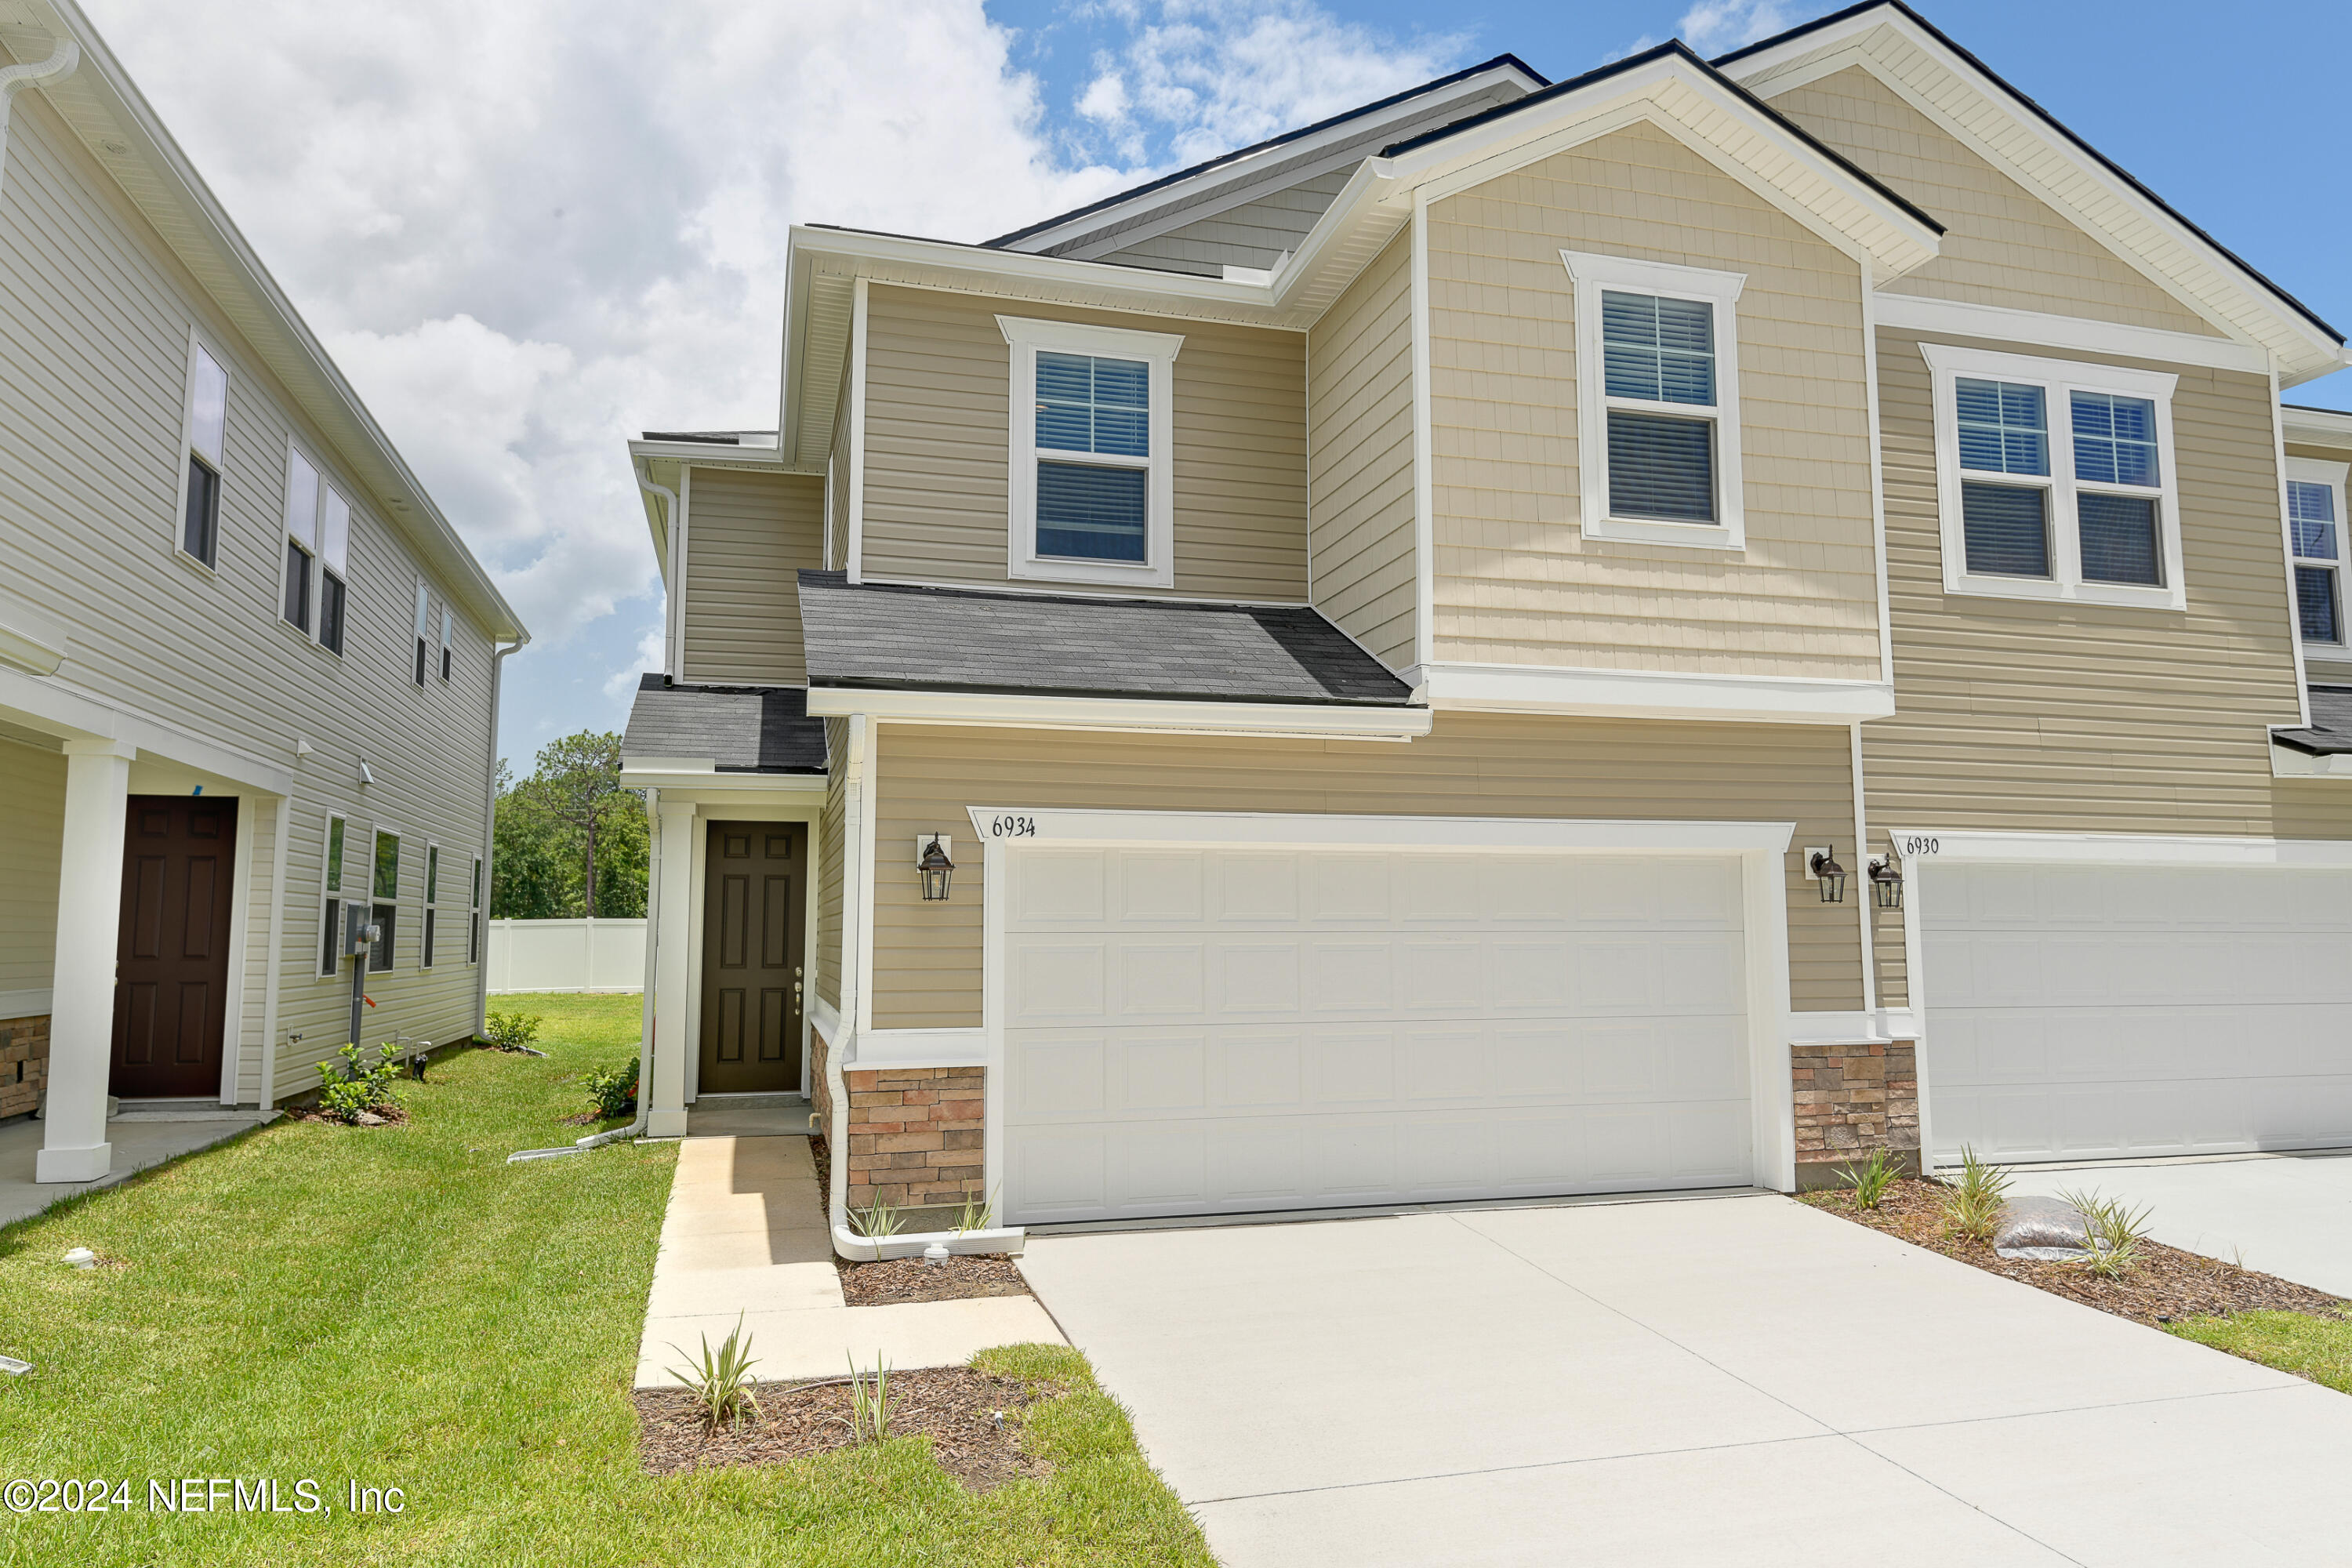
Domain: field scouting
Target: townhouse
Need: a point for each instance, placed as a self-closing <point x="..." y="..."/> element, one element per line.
<point x="248" y="672"/>
<point x="1658" y="630"/>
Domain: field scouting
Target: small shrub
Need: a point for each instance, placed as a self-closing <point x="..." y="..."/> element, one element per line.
<point x="1870" y="1182"/>
<point x="977" y="1214"/>
<point x="876" y="1219"/>
<point x="1972" y="1204"/>
<point x="871" y="1402"/>
<point x="720" y="1380"/>
<point x="2115" y="1231"/>
<point x="510" y="1031"/>
<point x="615" y="1092"/>
<point x="347" y="1088"/>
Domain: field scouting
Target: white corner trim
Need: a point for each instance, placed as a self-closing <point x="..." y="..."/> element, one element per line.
<point x="918" y="1048"/>
<point x="2071" y="334"/>
<point x="824" y="1019"/>
<point x="23" y="1004"/>
<point x="1655" y="694"/>
<point x="1157" y="351"/>
<point x="1424" y="483"/>
<point x="2058" y="379"/>
<point x="854" y="559"/>
<point x="1592" y="273"/>
<point x="692" y="787"/>
<point x="1015" y="826"/>
<point x="1022" y="710"/>
<point x="1921" y="845"/>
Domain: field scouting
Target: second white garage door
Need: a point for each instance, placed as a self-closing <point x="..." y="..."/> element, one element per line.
<point x="2087" y="1011"/>
<point x="1216" y="1030"/>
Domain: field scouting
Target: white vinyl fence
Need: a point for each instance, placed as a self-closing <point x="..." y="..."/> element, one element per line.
<point x="567" y="956"/>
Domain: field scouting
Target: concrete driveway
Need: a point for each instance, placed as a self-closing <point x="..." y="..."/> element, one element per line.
<point x="1701" y="1381"/>
<point x="2288" y="1214"/>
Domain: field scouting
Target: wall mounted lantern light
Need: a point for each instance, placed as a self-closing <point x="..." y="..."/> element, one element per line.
<point x="1886" y="882"/>
<point x="935" y="865"/>
<point x="1823" y="866"/>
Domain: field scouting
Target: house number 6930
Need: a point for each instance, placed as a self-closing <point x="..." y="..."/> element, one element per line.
<point x="1012" y="828"/>
<point x="1912" y="847"/>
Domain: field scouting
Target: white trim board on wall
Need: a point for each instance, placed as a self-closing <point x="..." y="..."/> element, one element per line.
<point x="1917" y="843"/>
<point x="1652" y="693"/>
<point x="2072" y="334"/>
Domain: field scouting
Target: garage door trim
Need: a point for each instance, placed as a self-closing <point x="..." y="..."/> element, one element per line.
<point x="1761" y="847"/>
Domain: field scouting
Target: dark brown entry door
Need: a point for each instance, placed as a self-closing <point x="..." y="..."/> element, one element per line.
<point x="171" y="971"/>
<point x="752" y="957"/>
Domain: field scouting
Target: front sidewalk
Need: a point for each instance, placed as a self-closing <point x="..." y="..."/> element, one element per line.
<point x="141" y="1140"/>
<point x="745" y="1236"/>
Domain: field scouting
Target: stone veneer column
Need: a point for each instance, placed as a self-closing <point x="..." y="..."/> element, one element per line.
<point x="1852" y="1100"/>
<point x="73" y="1146"/>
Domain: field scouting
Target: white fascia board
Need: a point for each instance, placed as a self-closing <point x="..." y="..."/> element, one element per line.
<point x="917" y="1049"/>
<point x="54" y="706"/>
<point x="1653" y="694"/>
<point x="1882" y="1027"/>
<point x="690" y="787"/>
<point x="1241" y="173"/>
<point x="1917" y="846"/>
<point x="1299" y="721"/>
<point x="2316" y="426"/>
<point x="1017" y="824"/>
<point x="1143" y="287"/>
<point x="2060" y="173"/>
<point x="2287" y="763"/>
<point x="1916" y="312"/>
<point x="711" y="455"/>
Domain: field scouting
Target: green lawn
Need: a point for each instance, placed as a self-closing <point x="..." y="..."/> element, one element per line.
<point x="399" y="1306"/>
<point x="2314" y="1347"/>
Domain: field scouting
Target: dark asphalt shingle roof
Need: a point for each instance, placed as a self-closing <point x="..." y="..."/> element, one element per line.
<point x="743" y="729"/>
<point x="2331" y="725"/>
<point x="953" y="640"/>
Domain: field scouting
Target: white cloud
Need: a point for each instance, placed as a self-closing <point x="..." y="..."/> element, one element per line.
<point x="1104" y="99"/>
<point x="1712" y="26"/>
<point x="651" y="652"/>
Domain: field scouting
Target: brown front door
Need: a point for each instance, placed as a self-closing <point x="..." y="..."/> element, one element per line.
<point x="171" y="971"/>
<point x="752" y="957"/>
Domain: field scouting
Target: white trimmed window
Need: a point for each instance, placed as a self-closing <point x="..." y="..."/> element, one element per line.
<point x="383" y="868"/>
<point x="334" y="572"/>
<point x="473" y="925"/>
<point x="448" y="626"/>
<point x="432" y="902"/>
<point x="1093" y="476"/>
<point x="331" y="899"/>
<point x="2055" y="480"/>
<point x="424" y="620"/>
<point x="2314" y="520"/>
<point x="1657" y="398"/>
<point x="318" y="538"/>
<point x="203" y="439"/>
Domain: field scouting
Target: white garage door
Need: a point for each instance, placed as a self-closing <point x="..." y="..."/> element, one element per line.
<point x="2079" y="1010"/>
<point x="1213" y="1030"/>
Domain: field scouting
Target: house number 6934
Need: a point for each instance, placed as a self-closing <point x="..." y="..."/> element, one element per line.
<point x="1012" y="828"/>
<point x="1912" y="847"/>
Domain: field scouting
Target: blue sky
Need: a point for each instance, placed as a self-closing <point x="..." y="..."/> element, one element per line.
<point x="525" y="251"/>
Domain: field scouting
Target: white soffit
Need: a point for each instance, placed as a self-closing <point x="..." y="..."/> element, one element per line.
<point x="2316" y="427"/>
<point x="1935" y="79"/>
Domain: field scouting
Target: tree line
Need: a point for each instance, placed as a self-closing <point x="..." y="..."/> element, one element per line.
<point x="569" y="840"/>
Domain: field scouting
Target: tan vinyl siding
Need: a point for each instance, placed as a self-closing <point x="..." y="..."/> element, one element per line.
<point x="938" y="377"/>
<point x="1516" y="581"/>
<point x="836" y="554"/>
<point x="1360" y="431"/>
<point x="747" y="536"/>
<point x="832" y="846"/>
<point x="32" y="831"/>
<point x="2002" y="245"/>
<point x="95" y="313"/>
<point x="926" y="957"/>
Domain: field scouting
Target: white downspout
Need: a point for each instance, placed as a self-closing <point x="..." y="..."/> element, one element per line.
<point x="490" y="833"/>
<point x="63" y="57"/>
<point x="671" y="587"/>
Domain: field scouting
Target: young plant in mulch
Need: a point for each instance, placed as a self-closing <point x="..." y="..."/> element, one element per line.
<point x="720" y="1380"/>
<point x="878" y="1219"/>
<point x="510" y="1031"/>
<point x="612" y="1095"/>
<point x="1868" y="1184"/>
<point x="2118" y="1232"/>
<point x="1972" y="1205"/>
<point x="358" y="1095"/>
<point x="871" y="1403"/>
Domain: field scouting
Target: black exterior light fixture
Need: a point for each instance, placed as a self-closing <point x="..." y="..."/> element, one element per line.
<point x="1886" y="882"/>
<point x="937" y="868"/>
<point x="1824" y="865"/>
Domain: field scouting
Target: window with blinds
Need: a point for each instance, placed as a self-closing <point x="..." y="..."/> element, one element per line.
<point x="2315" y="527"/>
<point x="1659" y="352"/>
<point x="1092" y="489"/>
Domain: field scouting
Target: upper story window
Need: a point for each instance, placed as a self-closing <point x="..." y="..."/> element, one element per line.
<point x="318" y="537"/>
<point x="423" y="618"/>
<point x="1092" y="479"/>
<point x="201" y="462"/>
<point x="2314" y="518"/>
<point x="448" y="626"/>
<point x="2055" y="480"/>
<point x="1657" y="402"/>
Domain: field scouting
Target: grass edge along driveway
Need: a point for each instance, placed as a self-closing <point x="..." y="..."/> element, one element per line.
<point x="398" y="1307"/>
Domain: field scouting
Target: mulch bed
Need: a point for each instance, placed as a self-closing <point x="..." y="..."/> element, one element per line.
<point x="894" y="1280"/>
<point x="974" y="1421"/>
<point x="2165" y="1286"/>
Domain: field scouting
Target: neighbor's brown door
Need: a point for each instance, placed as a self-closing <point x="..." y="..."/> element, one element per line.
<point x="752" y="957"/>
<point x="171" y="971"/>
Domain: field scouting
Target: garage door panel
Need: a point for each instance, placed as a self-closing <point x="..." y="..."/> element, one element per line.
<point x="1157" y="888"/>
<point x="1254" y="888"/>
<point x="1161" y="1164"/>
<point x="1251" y="1070"/>
<point x="1053" y="887"/>
<point x="1347" y="890"/>
<point x="1448" y="973"/>
<point x="1349" y="975"/>
<point x="1439" y="889"/>
<point x="1259" y="977"/>
<point x="1159" y="979"/>
<point x="1058" y="980"/>
<point x="1162" y="1075"/>
<point x="1057" y="1171"/>
<point x="1349" y="1069"/>
<point x="1525" y="974"/>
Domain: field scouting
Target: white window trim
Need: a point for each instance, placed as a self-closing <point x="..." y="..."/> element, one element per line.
<point x="196" y="344"/>
<point x="335" y="898"/>
<point x="420" y="651"/>
<point x="2313" y="472"/>
<point x="327" y="487"/>
<point x="2058" y="379"/>
<point x="1157" y="351"/>
<point x="428" y="906"/>
<point x="473" y="933"/>
<point x="310" y="633"/>
<point x="1592" y="273"/>
<point x="448" y="631"/>
<point x="375" y="836"/>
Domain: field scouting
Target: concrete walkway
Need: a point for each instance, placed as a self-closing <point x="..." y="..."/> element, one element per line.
<point x="2288" y="1214"/>
<point x="745" y="1234"/>
<point x="141" y="1140"/>
<point x="1737" y="1379"/>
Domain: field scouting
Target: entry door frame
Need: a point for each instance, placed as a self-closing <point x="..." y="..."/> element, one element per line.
<point x="738" y="809"/>
<point x="144" y="780"/>
<point x="1761" y="847"/>
<point x="1917" y="848"/>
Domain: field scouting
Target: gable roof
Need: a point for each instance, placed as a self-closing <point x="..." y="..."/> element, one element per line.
<point x="1970" y="101"/>
<point x="1229" y="167"/>
<point x="736" y="729"/>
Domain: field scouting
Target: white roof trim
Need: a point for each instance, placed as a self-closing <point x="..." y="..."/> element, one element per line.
<point x="1653" y="694"/>
<point x="2316" y="426"/>
<point x="1919" y="844"/>
<point x="1300" y="720"/>
<point x="1958" y="97"/>
<point x="2074" y="334"/>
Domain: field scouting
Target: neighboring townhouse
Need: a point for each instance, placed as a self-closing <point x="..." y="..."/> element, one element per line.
<point x="1658" y="630"/>
<point x="248" y="672"/>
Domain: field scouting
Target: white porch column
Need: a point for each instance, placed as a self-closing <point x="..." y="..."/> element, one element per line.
<point x="673" y="971"/>
<point x="74" y="1147"/>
